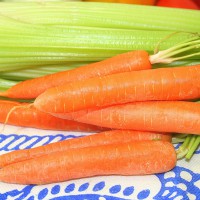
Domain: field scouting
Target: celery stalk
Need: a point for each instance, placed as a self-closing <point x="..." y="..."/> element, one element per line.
<point x="192" y="149"/>
<point x="76" y="44"/>
<point x="50" y="33"/>
<point x="6" y="84"/>
<point x="95" y="14"/>
<point x="34" y="34"/>
<point x="24" y="74"/>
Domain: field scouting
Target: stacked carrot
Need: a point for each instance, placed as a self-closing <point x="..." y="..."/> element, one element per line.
<point x="105" y="153"/>
<point x="144" y="106"/>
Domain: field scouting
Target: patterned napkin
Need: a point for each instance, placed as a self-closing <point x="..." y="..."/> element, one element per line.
<point x="182" y="183"/>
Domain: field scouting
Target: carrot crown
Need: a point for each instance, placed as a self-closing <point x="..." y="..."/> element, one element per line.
<point x="167" y="56"/>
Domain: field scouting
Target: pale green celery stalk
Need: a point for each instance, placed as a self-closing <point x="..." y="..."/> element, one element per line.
<point x="7" y="52"/>
<point x="36" y="34"/>
<point x="6" y="84"/>
<point x="179" y="63"/>
<point x="183" y="149"/>
<point x="25" y="44"/>
<point x="24" y="74"/>
<point x="8" y="67"/>
<point x="104" y="15"/>
<point x="193" y="148"/>
<point x="13" y="26"/>
<point x="77" y="44"/>
<point x="91" y="39"/>
<point x="177" y="138"/>
<point x="18" y="100"/>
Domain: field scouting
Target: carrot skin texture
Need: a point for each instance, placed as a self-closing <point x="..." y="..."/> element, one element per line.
<point x="26" y="116"/>
<point x="131" y="158"/>
<point x="130" y="61"/>
<point x="102" y="138"/>
<point x="180" y="83"/>
<point x="159" y="116"/>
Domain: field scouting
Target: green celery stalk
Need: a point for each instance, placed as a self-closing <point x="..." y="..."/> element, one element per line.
<point x="93" y="14"/>
<point x="77" y="44"/>
<point x="24" y="74"/>
<point x="6" y="84"/>
<point x="34" y="34"/>
<point x="193" y="147"/>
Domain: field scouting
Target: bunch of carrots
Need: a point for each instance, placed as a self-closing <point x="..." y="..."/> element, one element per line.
<point x="132" y="108"/>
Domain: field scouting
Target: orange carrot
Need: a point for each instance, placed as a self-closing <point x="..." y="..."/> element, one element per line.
<point x="130" y="158"/>
<point x="107" y="137"/>
<point x="159" y="116"/>
<point x="26" y="116"/>
<point x="130" y="61"/>
<point x="180" y="83"/>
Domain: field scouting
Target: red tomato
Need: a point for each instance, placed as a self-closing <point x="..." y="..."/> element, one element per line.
<point x="187" y="4"/>
<point x="197" y="2"/>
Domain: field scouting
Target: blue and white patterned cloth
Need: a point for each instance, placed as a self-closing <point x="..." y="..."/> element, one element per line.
<point x="182" y="183"/>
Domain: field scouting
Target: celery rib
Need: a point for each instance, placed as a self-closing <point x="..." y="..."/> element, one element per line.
<point x="104" y="15"/>
<point x="193" y="148"/>
<point x="34" y="34"/>
<point x="6" y="84"/>
<point x="24" y="74"/>
<point x="80" y="31"/>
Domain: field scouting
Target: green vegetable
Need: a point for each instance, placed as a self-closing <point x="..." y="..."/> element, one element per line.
<point x="38" y="34"/>
<point x="187" y="149"/>
<point x="189" y="146"/>
<point x="105" y="15"/>
<point x="24" y="74"/>
<point x="6" y="84"/>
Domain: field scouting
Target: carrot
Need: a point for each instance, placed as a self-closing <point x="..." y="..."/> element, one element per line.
<point x="26" y="116"/>
<point x="130" y="61"/>
<point x="159" y="116"/>
<point x="130" y="158"/>
<point x="107" y="137"/>
<point x="180" y="83"/>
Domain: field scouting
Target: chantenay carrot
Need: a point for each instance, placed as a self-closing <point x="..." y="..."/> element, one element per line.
<point x="178" y="83"/>
<point x="130" y="61"/>
<point x="159" y="116"/>
<point x="102" y="138"/>
<point x="24" y="115"/>
<point x="130" y="158"/>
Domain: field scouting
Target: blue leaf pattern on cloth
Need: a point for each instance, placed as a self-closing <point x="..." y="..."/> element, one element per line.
<point x="55" y="189"/>
<point x="31" y="140"/>
<point x="99" y="186"/>
<point x="83" y="187"/>
<point x="42" y="194"/>
<point x="186" y="188"/>
<point x="128" y="191"/>
<point x="115" y="189"/>
<point x="22" y="194"/>
<point x="143" y="194"/>
<point x="88" y="197"/>
<point x="70" y="188"/>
